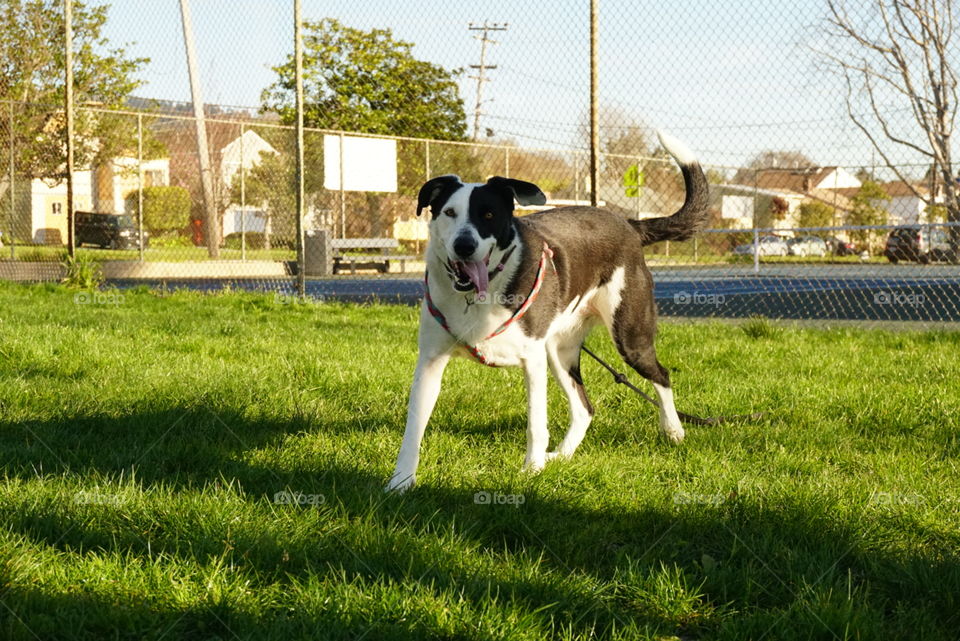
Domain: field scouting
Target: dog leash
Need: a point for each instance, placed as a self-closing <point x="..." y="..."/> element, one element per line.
<point x="689" y="418"/>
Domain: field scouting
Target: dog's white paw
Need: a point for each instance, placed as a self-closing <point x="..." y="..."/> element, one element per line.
<point x="533" y="466"/>
<point x="673" y="434"/>
<point x="400" y="484"/>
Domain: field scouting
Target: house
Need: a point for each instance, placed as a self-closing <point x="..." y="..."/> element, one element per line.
<point x="116" y="180"/>
<point x="905" y="206"/>
<point x="743" y="205"/>
<point x="807" y="179"/>
<point x="244" y="151"/>
<point x="42" y="213"/>
<point x="833" y="186"/>
<point x="43" y="210"/>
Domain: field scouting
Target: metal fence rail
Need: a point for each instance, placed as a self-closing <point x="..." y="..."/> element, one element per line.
<point x="803" y="208"/>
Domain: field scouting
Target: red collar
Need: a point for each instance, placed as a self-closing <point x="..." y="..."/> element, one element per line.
<point x="534" y="291"/>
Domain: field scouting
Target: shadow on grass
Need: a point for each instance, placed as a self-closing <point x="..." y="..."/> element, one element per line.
<point x="755" y="569"/>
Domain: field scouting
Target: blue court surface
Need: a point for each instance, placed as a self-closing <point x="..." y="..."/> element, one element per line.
<point x="843" y="298"/>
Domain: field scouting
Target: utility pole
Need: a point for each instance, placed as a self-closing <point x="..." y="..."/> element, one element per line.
<point x="483" y="66"/>
<point x="68" y="108"/>
<point x="211" y="230"/>
<point x="298" y="72"/>
<point x="594" y="109"/>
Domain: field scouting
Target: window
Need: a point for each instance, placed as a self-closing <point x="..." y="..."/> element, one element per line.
<point x="57" y="208"/>
<point x="153" y="178"/>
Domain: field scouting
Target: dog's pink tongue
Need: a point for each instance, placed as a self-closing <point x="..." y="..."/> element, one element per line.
<point x="477" y="273"/>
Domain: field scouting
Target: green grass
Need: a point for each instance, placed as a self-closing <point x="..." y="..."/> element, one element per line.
<point x="144" y="440"/>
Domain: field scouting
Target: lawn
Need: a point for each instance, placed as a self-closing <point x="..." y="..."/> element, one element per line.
<point x="211" y="467"/>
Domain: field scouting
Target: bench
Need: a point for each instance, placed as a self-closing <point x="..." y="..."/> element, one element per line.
<point x="366" y="258"/>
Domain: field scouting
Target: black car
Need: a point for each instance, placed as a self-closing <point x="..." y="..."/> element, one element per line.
<point x="840" y="247"/>
<point x="113" y="231"/>
<point x="916" y="243"/>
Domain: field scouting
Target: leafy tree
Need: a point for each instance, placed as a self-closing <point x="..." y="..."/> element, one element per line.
<point x="779" y="208"/>
<point x="936" y="213"/>
<point x="32" y="74"/>
<point x="814" y="213"/>
<point x="868" y="209"/>
<point x="165" y="209"/>
<point x="366" y="81"/>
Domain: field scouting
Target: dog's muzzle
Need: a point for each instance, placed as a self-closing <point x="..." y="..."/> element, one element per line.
<point x="470" y="275"/>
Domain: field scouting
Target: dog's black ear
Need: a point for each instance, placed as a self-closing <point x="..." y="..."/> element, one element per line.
<point x="525" y="193"/>
<point x="434" y="187"/>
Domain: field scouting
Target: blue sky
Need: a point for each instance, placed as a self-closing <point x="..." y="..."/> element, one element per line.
<point x="731" y="78"/>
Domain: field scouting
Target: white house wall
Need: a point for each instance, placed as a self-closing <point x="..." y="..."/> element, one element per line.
<point x="44" y="197"/>
<point x="838" y="179"/>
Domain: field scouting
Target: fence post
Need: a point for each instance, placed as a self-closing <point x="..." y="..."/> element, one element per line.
<point x="426" y="154"/>
<point x="13" y="200"/>
<point x="343" y="196"/>
<point x="68" y="107"/>
<point x="506" y="162"/>
<point x="243" y="200"/>
<point x="576" y="177"/>
<point x="140" y="184"/>
<point x="298" y="56"/>
<point x="756" y="233"/>
<point x="638" y="188"/>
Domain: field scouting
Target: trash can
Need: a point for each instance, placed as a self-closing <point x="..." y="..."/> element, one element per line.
<point x="317" y="253"/>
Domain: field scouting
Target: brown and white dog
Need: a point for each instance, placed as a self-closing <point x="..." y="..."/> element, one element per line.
<point x="510" y="291"/>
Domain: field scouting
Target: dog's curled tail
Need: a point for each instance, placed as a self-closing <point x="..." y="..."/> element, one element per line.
<point x="693" y="214"/>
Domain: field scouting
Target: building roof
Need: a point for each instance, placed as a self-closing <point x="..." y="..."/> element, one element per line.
<point x="799" y="180"/>
<point x="900" y="188"/>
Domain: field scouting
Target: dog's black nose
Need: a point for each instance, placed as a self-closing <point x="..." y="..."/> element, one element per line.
<point x="464" y="246"/>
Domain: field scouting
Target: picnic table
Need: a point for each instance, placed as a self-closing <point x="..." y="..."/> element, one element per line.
<point x="367" y="253"/>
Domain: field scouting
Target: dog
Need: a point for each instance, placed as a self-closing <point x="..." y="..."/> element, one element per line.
<point x="526" y="291"/>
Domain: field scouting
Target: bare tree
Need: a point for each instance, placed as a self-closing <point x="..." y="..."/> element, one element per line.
<point x="901" y="84"/>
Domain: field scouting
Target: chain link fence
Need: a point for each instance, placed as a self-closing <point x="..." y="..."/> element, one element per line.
<point x="815" y="212"/>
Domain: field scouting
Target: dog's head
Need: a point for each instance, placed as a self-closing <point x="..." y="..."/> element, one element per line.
<point x="469" y="220"/>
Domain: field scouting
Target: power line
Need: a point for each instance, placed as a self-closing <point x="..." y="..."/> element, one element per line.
<point x="483" y="66"/>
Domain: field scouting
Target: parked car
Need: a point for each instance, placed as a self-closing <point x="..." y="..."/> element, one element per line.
<point x="922" y="244"/>
<point x="807" y="246"/>
<point x="768" y="246"/>
<point x="840" y="247"/>
<point x="113" y="231"/>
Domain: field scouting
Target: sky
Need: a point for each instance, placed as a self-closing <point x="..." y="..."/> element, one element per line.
<point x="731" y="78"/>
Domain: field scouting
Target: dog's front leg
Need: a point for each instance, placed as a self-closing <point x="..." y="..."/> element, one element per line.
<point x="423" y="396"/>
<point x="538" y="436"/>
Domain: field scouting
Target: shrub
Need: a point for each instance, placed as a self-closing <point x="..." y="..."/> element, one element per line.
<point x="171" y="240"/>
<point x="165" y="209"/>
<point x="255" y="240"/>
<point x="81" y="270"/>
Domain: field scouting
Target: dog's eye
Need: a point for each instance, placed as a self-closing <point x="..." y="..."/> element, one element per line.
<point x="450" y="212"/>
<point x="488" y="215"/>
